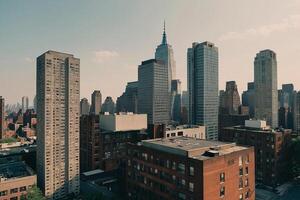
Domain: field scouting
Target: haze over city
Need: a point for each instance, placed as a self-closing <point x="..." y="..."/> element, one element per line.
<point x="111" y="38"/>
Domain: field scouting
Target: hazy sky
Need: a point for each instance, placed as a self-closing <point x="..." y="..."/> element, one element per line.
<point x="111" y="38"/>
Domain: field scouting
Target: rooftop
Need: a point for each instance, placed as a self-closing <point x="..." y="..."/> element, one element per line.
<point x="172" y="127"/>
<point x="193" y="147"/>
<point x="14" y="170"/>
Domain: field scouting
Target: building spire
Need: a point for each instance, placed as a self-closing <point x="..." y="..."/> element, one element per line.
<point x="164" y="39"/>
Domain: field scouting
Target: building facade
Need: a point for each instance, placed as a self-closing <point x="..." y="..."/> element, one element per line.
<point x="268" y="145"/>
<point x="265" y="87"/>
<point x="203" y="87"/>
<point x="186" y="131"/>
<point x="153" y="92"/>
<point x="96" y="102"/>
<point x="90" y="158"/>
<point x="189" y="168"/>
<point x="58" y="83"/>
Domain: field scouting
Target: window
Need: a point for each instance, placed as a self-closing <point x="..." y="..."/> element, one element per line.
<point x="22" y="189"/>
<point x="3" y="193"/>
<point x="240" y="160"/>
<point x="247" y="159"/>
<point x="180" y="133"/>
<point x="192" y="172"/>
<point x="14" y="198"/>
<point x="222" y="191"/>
<point x="241" y="183"/>
<point x="241" y="197"/>
<point x="173" y="165"/>
<point x="222" y="177"/>
<point x="247" y="194"/>
<point x="241" y="171"/>
<point x="181" y="196"/>
<point x="15" y="190"/>
<point x="246" y="170"/>
<point x="246" y="183"/>
<point x="181" y="168"/>
<point x="191" y="187"/>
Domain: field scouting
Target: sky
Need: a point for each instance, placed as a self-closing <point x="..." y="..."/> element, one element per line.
<point x="112" y="38"/>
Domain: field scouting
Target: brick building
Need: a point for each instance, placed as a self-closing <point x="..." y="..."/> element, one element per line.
<point x="15" y="180"/>
<point x="189" y="168"/>
<point x="267" y="142"/>
<point x="104" y="138"/>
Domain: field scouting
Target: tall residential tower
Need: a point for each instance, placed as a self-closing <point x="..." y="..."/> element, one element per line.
<point x="58" y="83"/>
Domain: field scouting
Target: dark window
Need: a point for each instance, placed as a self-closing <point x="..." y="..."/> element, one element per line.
<point x="222" y="191"/>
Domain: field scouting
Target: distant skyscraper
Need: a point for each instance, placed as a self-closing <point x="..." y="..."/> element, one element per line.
<point x="84" y="107"/>
<point x="176" y="100"/>
<point x="153" y="91"/>
<point x="25" y="104"/>
<point x="203" y="90"/>
<point x="231" y="99"/>
<point x="265" y="86"/>
<point x="108" y="106"/>
<point x="2" y="104"/>
<point x="286" y="96"/>
<point x="96" y="102"/>
<point x="248" y="98"/>
<point x="127" y="102"/>
<point x="164" y="52"/>
<point x="58" y="83"/>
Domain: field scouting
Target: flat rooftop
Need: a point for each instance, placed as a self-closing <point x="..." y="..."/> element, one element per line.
<point x="193" y="147"/>
<point x="14" y="170"/>
<point x="257" y="130"/>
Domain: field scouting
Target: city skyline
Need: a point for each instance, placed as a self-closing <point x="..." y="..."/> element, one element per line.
<point x="120" y="45"/>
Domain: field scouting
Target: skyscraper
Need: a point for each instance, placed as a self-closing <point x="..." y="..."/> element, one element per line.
<point x="84" y="106"/>
<point x="248" y="98"/>
<point x="127" y="102"/>
<point x="176" y="100"/>
<point x="153" y="92"/>
<point x="265" y="86"/>
<point x="202" y="64"/>
<point x="96" y="102"/>
<point x="1" y="117"/>
<point x="164" y="52"/>
<point x="108" y="106"/>
<point x="25" y="102"/>
<point x="58" y="83"/>
<point x="230" y="99"/>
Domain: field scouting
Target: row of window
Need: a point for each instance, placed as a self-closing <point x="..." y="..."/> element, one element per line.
<point x="14" y="190"/>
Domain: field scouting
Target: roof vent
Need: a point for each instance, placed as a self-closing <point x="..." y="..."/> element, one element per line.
<point x="211" y="153"/>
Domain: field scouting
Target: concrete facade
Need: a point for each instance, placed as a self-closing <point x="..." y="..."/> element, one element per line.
<point x="123" y="122"/>
<point x="58" y="107"/>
